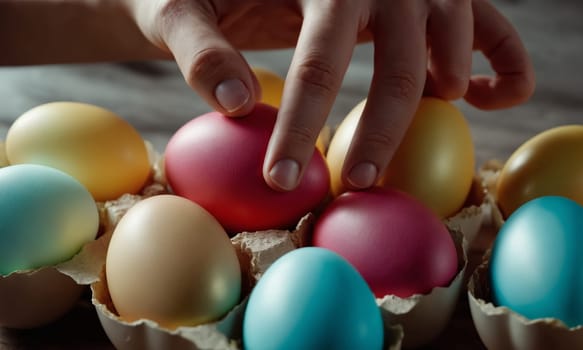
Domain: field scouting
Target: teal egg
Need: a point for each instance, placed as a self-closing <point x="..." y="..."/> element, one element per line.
<point x="46" y="216"/>
<point x="311" y="298"/>
<point x="536" y="264"/>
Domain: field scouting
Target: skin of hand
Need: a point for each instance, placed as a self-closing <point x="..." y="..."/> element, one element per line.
<point x="420" y="46"/>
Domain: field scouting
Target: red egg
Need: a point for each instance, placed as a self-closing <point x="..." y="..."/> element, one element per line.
<point x="397" y="243"/>
<point x="216" y="161"/>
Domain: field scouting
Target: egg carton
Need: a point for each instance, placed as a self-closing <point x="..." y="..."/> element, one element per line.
<point x="470" y="219"/>
<point x="410" y="322"/>
<point x="33" y="298"/>
<point x="415" y="316"/>
<point x="501" y="328"/>
<point x="36" y="297"/>
<point x="256" y="252"/>
<point x="425" y="316"/>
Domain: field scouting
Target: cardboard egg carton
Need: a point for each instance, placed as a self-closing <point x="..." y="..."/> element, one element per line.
<point x="257" y="251"/>
<point x="500" y="327"/>
<point x="415" y="316"/>
<point x="33" y="298"/>
<point x="423" y="317"/>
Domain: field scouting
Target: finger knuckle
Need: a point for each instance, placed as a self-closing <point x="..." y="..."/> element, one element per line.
<point x="383" y="139"/>
<point x="206" y="63"/>
<point x="301" y="135"/>
<point x="453" y="85"/>
<point x="400" y="84"/>
<point x="317" y="74"/>
<point x="524" y="87"/>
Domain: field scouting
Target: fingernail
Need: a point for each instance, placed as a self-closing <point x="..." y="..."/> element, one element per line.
<point x="232" y="94"/>
<point x="363" y="175"/>
<point x="285" y="174"/>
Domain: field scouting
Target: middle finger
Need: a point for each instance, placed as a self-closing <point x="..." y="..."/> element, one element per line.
<point x="322" y="55"/>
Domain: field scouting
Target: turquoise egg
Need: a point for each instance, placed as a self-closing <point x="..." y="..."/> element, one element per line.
<point x="536" y="265"/>
<point x="46" y="216"/>
<point x="312" y="298"/>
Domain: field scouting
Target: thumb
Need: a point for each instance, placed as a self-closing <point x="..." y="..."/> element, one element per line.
<point x="208" y="62"/>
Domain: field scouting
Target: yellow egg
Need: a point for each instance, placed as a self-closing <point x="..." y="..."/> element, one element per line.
<point x="3" y="160"/>
<point x="271" y="86"/>
<point x="550" y="163"/>
<point x="94" y="145"/>
<point x="323" y="139"/>
<point x="435" y="161"/>
<point x="338" y="147"/>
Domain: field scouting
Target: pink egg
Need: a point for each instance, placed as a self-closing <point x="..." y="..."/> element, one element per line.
<point x="398" y="244"/>
<point x="216" y="161"/>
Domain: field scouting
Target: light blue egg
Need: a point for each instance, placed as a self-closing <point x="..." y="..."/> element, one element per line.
<point x="311" y="298"/>
<point x="46" y="216"/>
<point x="536" y="266"/>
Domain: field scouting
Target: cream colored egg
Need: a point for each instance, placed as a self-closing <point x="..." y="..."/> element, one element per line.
<point x="96" y="146"/>
<point x="434" y="162"/>
<point x="171" y="262"/>
<point x="338" y="147"/>
<point x="3" y="159"/>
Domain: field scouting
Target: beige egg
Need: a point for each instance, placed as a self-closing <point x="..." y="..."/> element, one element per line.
<point x="171" y="262"/>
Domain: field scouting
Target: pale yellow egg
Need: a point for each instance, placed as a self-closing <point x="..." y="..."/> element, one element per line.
<point x="434" y="162"/>
<point x="3" y="159"/>
<point x="94" y="145"/>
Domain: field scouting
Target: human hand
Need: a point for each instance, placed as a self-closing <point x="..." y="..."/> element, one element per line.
<point x="419" y="45"/>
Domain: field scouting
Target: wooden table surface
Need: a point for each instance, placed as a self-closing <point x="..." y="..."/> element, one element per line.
<point x="154" y="98"/>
